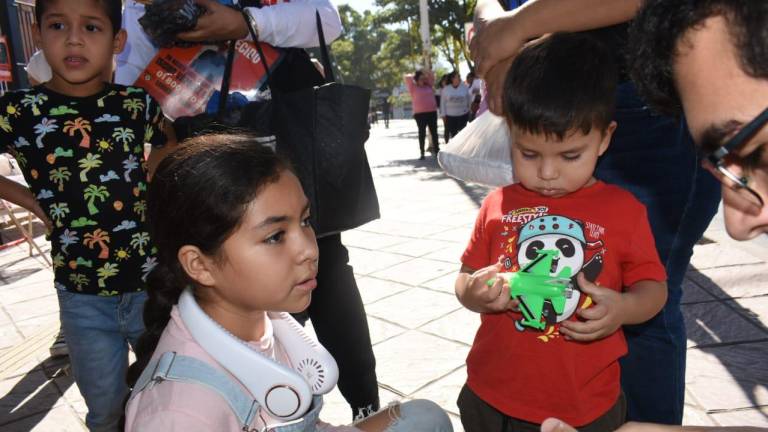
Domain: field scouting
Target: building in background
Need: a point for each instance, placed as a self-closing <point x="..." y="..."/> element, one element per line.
<point x="16" y="20"/>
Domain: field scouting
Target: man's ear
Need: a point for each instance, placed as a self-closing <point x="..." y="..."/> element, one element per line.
<point x="199" y="267"/>
<point x="607" y="135"/>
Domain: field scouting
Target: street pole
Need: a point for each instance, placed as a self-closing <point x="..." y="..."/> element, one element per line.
<point x="425" y="40"/>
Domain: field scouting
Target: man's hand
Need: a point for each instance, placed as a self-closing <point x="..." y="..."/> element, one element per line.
<point x="602" y="319"/>
<point x="495" y="40"/>
<point x="219" y="23"/>
<point x="494" y="83"/>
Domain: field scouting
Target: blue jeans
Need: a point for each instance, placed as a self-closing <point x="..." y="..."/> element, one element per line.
<point x="98" y="331"/>
<point x="653" y="157"/>
<point x="420" y="415"/>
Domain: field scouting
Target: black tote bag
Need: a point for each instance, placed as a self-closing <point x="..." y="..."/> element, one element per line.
<point x="321" y="129"/>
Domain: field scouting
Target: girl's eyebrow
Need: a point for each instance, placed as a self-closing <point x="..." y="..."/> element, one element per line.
<point x="279" y="219"/>
<point x="271" y="221"/>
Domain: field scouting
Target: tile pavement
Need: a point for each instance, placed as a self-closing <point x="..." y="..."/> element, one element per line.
<point x="405" y="264"/>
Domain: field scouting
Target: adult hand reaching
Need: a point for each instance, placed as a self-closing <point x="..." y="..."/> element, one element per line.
<point x="496" y="39"/>
<point x="217" y="24"/>
<point x="493" y="48"/>
<point x="494" y="83"/>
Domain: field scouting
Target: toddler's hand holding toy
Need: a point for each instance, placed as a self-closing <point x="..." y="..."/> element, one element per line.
<point x="476" y="295"/>
<point x="602" y="319"/>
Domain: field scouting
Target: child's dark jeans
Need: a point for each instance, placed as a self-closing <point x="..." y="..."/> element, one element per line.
<point x="478" y="416"/>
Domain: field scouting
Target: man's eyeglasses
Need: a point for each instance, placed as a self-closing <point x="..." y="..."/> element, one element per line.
<point x="739" y="183"/>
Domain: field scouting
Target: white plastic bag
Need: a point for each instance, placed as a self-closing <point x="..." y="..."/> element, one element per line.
<point x="480" y="153"/>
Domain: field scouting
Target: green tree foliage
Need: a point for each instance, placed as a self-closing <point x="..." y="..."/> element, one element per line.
<point x="377" y="48"/>
<point x="372" y="55"/>
<point x="446" y="19"/>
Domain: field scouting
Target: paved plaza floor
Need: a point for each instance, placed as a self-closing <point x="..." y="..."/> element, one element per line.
<point x="405" y="264"/>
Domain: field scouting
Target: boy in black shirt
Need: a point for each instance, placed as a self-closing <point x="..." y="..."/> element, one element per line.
<point x="80" y="144"/>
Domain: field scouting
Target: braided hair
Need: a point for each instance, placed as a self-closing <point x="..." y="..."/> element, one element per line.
<point x="197" y="197"/>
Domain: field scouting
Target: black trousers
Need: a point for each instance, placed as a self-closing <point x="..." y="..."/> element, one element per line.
<point x="478" y="416"/>
<point x="424" y="120"/>
<point x="338" y="316"/>
<point x="454" y="125"/>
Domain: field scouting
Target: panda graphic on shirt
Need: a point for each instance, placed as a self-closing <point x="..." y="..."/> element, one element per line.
<point x="582" y="250"/>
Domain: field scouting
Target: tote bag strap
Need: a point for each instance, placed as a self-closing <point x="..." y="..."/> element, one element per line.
<point x="326" y="59"/>
<point x="226" y="78"/>
<point x="324" y="50"/>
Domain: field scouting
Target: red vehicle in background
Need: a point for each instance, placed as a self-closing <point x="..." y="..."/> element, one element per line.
<point x="6" y="76"/>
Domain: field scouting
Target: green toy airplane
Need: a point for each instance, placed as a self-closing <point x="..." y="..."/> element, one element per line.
<point x="540" y="295"/>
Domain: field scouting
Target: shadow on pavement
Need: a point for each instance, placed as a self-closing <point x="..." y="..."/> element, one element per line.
<point x="718" y="325"/>
<point x="9" y="277"/>
<point x="34" y="395"/>
<point x="429" y="170"/>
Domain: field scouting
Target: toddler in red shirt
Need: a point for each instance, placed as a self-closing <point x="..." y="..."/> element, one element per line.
<point x="558" y="101"/>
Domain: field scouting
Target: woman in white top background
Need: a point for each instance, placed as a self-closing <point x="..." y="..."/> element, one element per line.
<point x="454" y="105"/>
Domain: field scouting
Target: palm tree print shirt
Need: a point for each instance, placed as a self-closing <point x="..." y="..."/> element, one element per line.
<point x="83" y="159"/>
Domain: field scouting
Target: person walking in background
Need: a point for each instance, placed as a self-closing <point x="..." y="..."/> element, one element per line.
<point x="439" y="98"/>
<point x="424" y="106"/>
<point x="386" y="108"/>
<point x="475" y="86"/>
<point x="454" y="105"/>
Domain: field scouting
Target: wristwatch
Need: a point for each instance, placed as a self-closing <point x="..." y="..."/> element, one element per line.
<point x="251" y="22"/>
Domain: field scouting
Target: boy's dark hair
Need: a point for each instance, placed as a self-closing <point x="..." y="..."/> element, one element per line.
<point x="113" y="9"/>
<point x="562" y="82"/>
<point x="661" y="24"/>
<point x="198" y="197"/>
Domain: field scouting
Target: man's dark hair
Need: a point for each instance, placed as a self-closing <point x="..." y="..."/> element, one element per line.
<point x="113" y="9"/>
<point x="563" y="82"/>
<point x="661" y="24"/>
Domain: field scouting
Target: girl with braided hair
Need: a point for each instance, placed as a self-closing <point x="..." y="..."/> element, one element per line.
<point x="231" y="224"/>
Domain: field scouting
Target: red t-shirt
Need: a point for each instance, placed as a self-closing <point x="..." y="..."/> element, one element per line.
<point x="600" y="230"/>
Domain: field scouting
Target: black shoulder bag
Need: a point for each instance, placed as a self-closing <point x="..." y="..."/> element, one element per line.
<point x="321" y="129"/>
